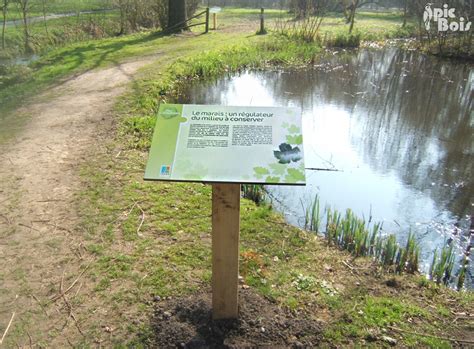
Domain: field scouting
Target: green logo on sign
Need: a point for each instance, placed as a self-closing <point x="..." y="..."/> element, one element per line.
<point x="170" y="112"/>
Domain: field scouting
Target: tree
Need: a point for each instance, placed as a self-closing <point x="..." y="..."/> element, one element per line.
<point x="177" y="15"/>
<point x="24" y="9"/>
<point x="350" y="7"/>
<point x="4" y="13"/>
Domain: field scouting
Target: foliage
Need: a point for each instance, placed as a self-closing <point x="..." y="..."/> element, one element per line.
<point x="254" y="192"/>
<point x="343" y="40"/>
<point x="353" y="234"/>
<point x="312" y="220"/>
<point x="305" y="30"/>
<point x="442" y="265"/>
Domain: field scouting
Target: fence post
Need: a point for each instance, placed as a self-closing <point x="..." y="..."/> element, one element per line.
<point x="262" y="22"/>
<point x="207" y="20"/>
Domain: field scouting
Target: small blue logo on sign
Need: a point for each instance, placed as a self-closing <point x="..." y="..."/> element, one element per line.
<point x="165" y="170"/>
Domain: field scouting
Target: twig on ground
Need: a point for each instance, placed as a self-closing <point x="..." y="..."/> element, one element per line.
<point x="55" y="226"/>
<point x="50" y="200"/>
<point x="27" y="226"/>
<point x="39" y="303"/>
<point x="69" y="306"/>
<point x="6" y="218"/>
<point x="349" y="266"/>
<point x="55" y="298"/>
<point x="31" y="340"/>
<point x="8" y="327"/>
<point x="142" y="220"/>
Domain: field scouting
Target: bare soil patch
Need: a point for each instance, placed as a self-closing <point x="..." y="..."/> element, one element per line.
<point x="187" y="323"/>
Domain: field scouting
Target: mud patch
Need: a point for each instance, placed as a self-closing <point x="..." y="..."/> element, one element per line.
<point x="187" y="323"/>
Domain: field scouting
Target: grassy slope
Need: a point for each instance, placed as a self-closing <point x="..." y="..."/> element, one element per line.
<point x="169" y="254"/>
<point x="51" y="7"/>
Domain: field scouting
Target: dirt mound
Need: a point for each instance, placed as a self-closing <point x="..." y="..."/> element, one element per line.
<point x="187" y="323"/>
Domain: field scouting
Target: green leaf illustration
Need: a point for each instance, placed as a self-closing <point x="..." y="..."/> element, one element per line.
<point x="271" y="179"/>
<point x="294" y="129"/>
<point x="261" y="170"/>
<point x="296" y="139"/>
<point x="278" y="169"/>
<point x="295" y="175"/>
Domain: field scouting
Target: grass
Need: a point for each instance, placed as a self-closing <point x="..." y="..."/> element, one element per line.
<point x="52" y="7"/>
<point x="153" y="239"/>
<point x="59" y="32"/>
<point x="334" y="32"/>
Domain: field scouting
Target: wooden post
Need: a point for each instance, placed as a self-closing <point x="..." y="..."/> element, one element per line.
<point x="262" y="21"/>
<point x="207" y="20"/>
<point x="214" y="17"/>
<point x="225" y="250"/>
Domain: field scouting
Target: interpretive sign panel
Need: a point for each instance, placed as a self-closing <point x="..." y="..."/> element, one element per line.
<point x="211" y="143"/>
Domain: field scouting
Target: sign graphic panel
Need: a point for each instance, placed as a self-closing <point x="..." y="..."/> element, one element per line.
<point x="211" y="143"/>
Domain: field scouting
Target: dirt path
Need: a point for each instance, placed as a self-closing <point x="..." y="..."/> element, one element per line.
<point x="38" y="180"/>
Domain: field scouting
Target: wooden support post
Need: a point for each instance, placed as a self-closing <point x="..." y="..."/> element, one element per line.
<point x="225" y="250"/>
<point x="214" y="17"/>
<point x="207" y="20"/>
<point x="262" y="21"/>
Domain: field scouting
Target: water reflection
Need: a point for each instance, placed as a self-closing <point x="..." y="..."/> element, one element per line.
<point x="398" y="124"/>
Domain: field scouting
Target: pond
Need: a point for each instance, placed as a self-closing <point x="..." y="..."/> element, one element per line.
<point x="393" y="130"/>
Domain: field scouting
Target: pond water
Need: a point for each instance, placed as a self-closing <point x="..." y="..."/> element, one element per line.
<point x="396" y="125"/>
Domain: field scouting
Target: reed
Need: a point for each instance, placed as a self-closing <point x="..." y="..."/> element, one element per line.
<point x="462" y="273"/>
<point x="254" y="192"/>
<point x="312" y="215"/>
<point x="355" y="235"/>
<point x="305" y="30"/>
<point x="442" y="265"/>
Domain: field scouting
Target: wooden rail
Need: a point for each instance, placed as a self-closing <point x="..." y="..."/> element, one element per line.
<point x="185" y="23"/>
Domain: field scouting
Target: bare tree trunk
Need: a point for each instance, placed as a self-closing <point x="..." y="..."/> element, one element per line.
<point x="44" y="20"/>
<point x="4" y="12"/>
<point x="405" y="8"/>
<point x="121" y="5"/>
<point x="177" y="15"/>
<point x="24" y="9"/>
<point x="352" y="15"/>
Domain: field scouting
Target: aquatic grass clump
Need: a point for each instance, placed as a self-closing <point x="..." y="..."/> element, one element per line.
<point x="254" y="192"/>
<point x="343" y="39"/>
<point x="409" y="256"/>
<point x="353" y="234"/>
<point x="442" y="265"/>
<point x="462" y="272"/>
<point x="312" y="220"/>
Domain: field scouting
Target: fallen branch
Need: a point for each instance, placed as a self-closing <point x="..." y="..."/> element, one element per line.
<point x="431" y="335"/>
<point x="27" y="226"/>
<point x="58" y="296"/>
<point x="8" y="327"/>
<point x="39" y="303"/>
<point x="6" y="218"/>
<point x="142" y="220"/>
